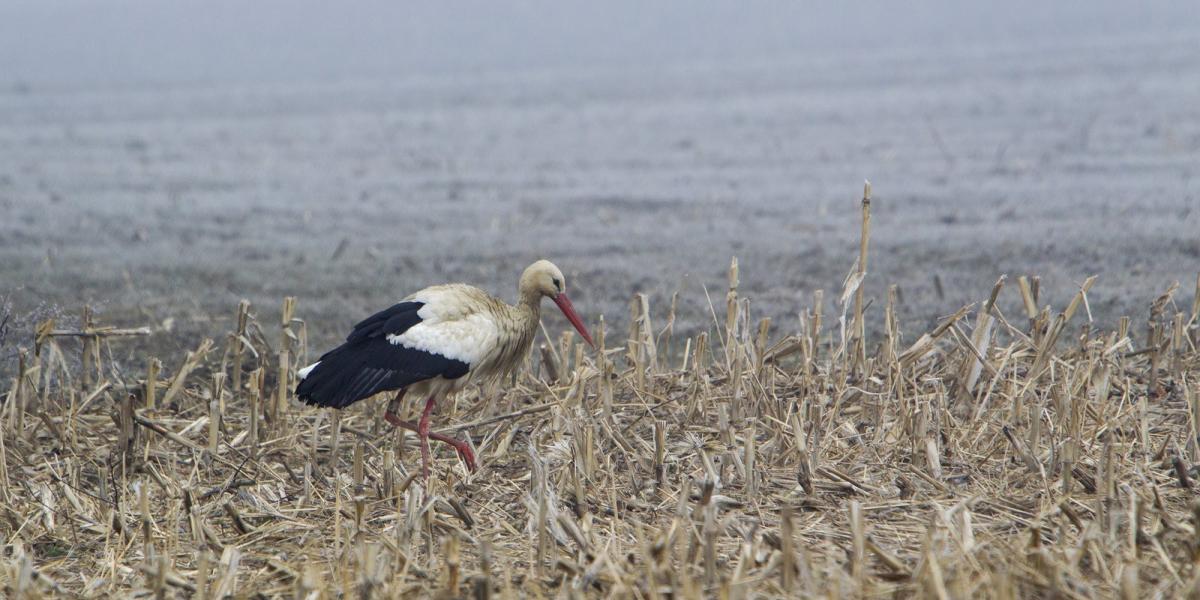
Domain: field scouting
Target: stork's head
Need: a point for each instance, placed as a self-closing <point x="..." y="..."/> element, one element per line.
<point x="542" y="278"/>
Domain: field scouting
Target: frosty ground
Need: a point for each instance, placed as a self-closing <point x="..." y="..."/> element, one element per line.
<point x="164" y="206"/>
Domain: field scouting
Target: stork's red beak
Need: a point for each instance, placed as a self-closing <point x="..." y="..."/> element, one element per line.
<point x="564" y="304"/>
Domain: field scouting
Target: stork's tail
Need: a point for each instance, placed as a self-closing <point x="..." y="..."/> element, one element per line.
<point x="310" y="385"/>
<point x="302" y="373"/>
<point x="341" y="378"/>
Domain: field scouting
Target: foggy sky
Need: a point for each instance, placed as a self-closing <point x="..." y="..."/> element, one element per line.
<point x="82" y="43"/>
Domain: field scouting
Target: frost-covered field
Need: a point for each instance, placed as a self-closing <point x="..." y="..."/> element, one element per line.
<point x="1061" y="160"/>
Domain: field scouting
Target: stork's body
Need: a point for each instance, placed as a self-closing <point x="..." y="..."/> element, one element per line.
<point x="434" y="343"/>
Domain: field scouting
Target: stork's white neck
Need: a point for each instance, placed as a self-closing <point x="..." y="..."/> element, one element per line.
<point x="530" y="301"/>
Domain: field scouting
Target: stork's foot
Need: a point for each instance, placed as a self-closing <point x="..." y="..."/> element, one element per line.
<point x="464" y="452"/>
<point x="462" y="447"/>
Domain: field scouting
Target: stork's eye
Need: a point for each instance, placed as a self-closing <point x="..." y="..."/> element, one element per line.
<point x="557" y="284"/>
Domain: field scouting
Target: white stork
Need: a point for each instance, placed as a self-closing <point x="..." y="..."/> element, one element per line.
<point x="433" y="343"/>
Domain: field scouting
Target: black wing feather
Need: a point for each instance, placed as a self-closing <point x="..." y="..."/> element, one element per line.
<point x="368" y="363"/>
<point x="395" y="319"/>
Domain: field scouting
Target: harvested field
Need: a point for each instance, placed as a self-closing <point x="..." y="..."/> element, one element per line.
<point x="996" y="455"/>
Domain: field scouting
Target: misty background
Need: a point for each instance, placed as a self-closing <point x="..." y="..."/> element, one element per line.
<point x="91" y="43"/>
<point x="161" y="161"/>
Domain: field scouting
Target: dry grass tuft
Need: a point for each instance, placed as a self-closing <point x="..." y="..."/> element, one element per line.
<point x="985" y="458"/>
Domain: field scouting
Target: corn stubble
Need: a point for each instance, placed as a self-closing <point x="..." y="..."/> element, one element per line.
<point x="993" y="456"/>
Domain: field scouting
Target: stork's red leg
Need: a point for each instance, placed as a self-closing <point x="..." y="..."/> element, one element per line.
<point x="423" y="433"/>
<point x="462" y="447"/>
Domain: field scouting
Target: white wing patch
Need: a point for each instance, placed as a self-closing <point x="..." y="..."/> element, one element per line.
<point x="469" y="339"/>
